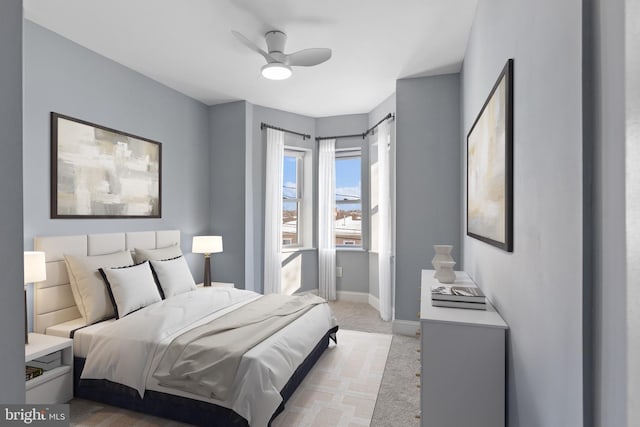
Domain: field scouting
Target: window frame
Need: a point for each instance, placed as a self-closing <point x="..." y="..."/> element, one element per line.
<point x="299" y="200"/>
<point x="352" y="153"/>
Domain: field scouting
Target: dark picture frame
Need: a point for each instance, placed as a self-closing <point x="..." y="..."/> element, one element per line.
<point x="490" y="166"/>
<point x="99" y="172"/>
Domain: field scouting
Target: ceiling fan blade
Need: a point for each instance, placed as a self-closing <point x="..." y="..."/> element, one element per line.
<point x="309" y="57"/>
<point x="251" y="45"/>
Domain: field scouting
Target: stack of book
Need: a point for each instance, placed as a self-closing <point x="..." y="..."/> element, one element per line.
<point x="31" y="372"/>
<point x="48" y="362"/>
<point x="458" y="296"/>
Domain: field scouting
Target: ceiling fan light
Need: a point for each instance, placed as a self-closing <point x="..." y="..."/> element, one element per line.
<point x="276" y="71"/>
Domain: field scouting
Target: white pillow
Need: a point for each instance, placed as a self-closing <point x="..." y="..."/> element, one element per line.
<point x="88" y="288"/>
<point x="167" y="252"/>
<point x="131" y="288"/>
<point x="174" y="276"/>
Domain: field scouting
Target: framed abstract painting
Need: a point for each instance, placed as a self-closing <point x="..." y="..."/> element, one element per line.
<point x="490" y="167"/>
<point x="98" y="172"/>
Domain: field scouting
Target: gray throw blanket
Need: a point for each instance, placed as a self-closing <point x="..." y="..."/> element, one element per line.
<point x="205" y="359"/>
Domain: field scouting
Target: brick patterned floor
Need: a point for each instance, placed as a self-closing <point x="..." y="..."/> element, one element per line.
<point x="342" y="388"/>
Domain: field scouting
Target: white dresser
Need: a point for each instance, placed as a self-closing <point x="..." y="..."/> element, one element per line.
<point x="463" y="363"/>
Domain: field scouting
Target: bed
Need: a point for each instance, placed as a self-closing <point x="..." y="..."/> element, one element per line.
<point x="119" y="362"/>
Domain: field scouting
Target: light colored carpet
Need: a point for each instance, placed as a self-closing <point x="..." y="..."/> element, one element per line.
<point x="398" y="398"/>
<point x="342" y="388"/>
<point x="359" y="317"/>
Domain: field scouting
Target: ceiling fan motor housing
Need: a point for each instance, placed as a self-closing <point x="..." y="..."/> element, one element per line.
<point x="276" y="41"/>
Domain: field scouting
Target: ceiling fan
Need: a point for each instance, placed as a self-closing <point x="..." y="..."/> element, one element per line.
<point x="279" y="64"/>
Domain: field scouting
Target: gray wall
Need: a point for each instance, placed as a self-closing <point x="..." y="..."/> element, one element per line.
<point x="632" y="184"/>
<point x="249" y="212"/>
<point x="11" y="295"/>
<point x="610" y="263"/>
<point x="227" y="191"/>
<point x="428" y="180"/>
<point x="355" y="271"/>
<point x="538" y="287"/>
<point x="617" y="209"/>
<point x="64" y="77"/>
<point x="354" y="262"/>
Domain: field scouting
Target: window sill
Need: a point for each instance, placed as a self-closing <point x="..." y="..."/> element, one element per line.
<point x="343" y="249"/>
<point x="300" y="249"/>
<point x="303" y="249"/>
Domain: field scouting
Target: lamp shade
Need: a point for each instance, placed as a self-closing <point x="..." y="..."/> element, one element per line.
<point x="34" y="267"/>
<point x="276" y="71"/>
<point x="206" y="244"/>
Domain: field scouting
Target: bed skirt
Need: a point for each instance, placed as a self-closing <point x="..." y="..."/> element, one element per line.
<point x="180" y="408"/>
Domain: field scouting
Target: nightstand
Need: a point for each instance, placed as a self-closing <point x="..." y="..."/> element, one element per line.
<point x="56" y="384"/>
<point x="218" y="285"/>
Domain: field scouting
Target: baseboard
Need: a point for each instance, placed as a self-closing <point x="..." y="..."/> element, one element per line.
<point x="374" y="302"/>
<point x="353" y="296"/>
<point x="405" y="327"/>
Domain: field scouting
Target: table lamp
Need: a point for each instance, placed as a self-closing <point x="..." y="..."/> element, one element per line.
<point x="207" y="245"/>
<point x="35" y="270"/>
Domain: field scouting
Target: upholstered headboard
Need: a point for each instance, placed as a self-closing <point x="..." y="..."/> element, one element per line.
<point x="53" y="301"/>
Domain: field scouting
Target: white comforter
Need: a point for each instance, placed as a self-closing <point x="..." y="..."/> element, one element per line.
<point x="129" y="349"/>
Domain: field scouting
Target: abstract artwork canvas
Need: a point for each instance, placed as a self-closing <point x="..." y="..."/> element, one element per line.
<point x="490" y="167"/>
<point x="98" y="172"/>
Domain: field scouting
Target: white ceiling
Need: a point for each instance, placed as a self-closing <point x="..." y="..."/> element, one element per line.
<point x="187" y="45"/>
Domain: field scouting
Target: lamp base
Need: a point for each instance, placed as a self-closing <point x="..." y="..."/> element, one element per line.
<point x="207" y="270"/>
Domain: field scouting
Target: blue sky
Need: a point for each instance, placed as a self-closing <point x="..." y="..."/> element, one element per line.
<point x="347" y="177"/>
<point x="289" y="175"/>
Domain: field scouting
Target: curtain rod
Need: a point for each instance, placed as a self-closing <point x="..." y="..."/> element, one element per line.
<point x="362" y="135"/>
<point x="304" y="136"/>
<point x="387" y="117"/>
<point x="359" y="135"/>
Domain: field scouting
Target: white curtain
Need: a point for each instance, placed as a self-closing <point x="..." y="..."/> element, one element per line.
<point x="273" y="212"/>
<point x="326" y="219"/>
<point x="384" y="217"/>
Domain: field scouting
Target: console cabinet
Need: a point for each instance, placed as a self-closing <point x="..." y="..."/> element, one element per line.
<point x="463" y="362"/>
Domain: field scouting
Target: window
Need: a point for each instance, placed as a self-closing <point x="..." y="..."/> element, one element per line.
<point x="292" y="197"/>
<point x="348" y="214"/>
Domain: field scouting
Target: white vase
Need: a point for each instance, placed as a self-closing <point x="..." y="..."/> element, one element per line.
<point x="443" y="253"/>
<point x="445" y="272"/>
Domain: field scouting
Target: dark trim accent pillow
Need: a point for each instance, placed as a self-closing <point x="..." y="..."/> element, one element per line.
<point x="174" y="276"/>
<point x="130" y="288"/>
